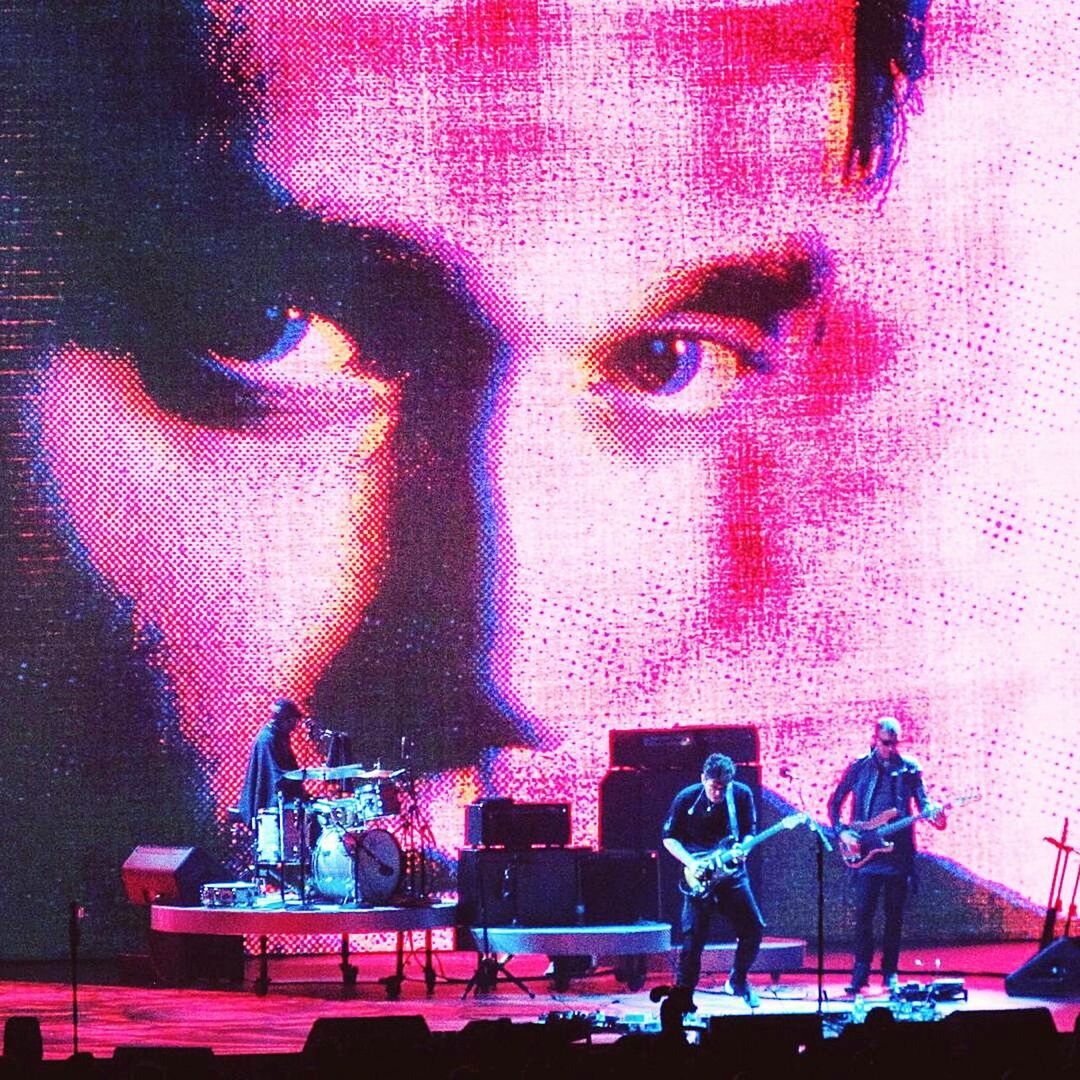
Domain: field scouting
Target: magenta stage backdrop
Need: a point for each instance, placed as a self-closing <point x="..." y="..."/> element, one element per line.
<point x="493" y="375"/>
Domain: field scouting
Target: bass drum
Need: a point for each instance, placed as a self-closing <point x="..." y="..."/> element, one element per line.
<point x="352" y="865"/>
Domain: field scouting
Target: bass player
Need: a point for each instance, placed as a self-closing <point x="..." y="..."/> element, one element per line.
<point x="883" y="786"/>
<point x="717" y="814"/>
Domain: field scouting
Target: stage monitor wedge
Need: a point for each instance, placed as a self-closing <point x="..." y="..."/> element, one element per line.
<point x="1052" y="973"/>
<point x="154" y="874"/>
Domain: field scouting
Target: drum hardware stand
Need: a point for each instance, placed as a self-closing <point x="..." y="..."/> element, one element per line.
<point x="303" y="853"/>
<point x="417" y="837"/>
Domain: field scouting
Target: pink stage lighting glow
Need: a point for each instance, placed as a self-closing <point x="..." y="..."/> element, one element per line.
<point x="497" y="375"/>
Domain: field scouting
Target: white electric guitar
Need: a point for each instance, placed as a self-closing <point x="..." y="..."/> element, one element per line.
<point x="726" y="859"/>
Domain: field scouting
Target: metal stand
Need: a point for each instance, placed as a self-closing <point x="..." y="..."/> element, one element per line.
<point x="74" y="939"/>
<point x="489" y="969"/>
<point x="823" y="846"/>
<point x="1053" y="905"/>
<point x="416" y="835"/>
<point x="488" y="966"/>
<point x="283" y="863"/>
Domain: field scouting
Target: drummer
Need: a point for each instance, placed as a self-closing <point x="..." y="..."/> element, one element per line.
<point x="271" y="757"/>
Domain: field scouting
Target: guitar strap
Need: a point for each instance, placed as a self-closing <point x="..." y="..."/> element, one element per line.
<point x="733" y="821"/>
<point x="871" y="788"/>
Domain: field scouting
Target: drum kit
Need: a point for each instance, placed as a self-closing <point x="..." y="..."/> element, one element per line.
<point x="337" y="847"/>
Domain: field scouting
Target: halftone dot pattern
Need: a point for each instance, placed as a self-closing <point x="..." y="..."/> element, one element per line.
<point x="492" y="377"/>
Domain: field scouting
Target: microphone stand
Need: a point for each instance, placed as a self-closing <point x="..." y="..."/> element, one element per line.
<point x="824" y="845"/>
<point x="74" y="934"/>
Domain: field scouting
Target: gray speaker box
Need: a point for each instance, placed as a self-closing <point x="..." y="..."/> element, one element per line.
<point x="154" y="874"/>
<point x="173" y="875"/>
<point x="1052" y="973"/>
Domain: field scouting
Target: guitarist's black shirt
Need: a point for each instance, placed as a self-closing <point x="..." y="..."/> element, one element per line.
<point x="700" y="825"/>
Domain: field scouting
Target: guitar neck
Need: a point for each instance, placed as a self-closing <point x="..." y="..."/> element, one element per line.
<point x="772" y="830"/>
<point x="904" y="822"/>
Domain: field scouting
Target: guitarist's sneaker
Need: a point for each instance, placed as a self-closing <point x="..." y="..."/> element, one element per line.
<point x="854" y="988"/>
<point x="743" y="990"/>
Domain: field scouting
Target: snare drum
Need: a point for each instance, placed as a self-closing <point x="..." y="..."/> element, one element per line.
<point x="230" y="894"/>
<point x="356" y="865"/>
<point x="344" y="813"/>
<point x="376" y="799"/>
<point x="268" y="840"/>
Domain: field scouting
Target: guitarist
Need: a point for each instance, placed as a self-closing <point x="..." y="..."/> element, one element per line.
<point x="703" y="817"/>
<point x="881" y="782"/>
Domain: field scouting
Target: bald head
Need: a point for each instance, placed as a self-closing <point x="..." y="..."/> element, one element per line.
<point x="886" y="737"/>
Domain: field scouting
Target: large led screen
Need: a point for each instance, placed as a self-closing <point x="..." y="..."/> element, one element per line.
<point x="491" y="376"/>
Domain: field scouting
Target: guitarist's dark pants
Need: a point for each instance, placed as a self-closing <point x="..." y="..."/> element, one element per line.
<point x="868" y="887"/>
<point x="735" y="901"/>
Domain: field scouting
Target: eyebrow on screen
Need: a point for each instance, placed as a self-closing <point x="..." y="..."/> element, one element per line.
<point x="759" y="290"/>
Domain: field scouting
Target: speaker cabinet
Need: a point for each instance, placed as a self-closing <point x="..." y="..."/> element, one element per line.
<point x="681" y="748"/>
<point x="996" y="1042"/>
<point x="1052" y="973"/>
<point x="183" y="959"/>
<point x="504" y="823"/>
<point x="154" y="874"/>
<point x="535" y="887"/>
<point x="763" y="1044"/>
<point x="168" y="874"/>
<point x="367" y="1039"/>
<point x="634" y="804"/>
<point x="165" y="1062"/>
<point x="556" y="887"/>
<point x="619" y="887"/>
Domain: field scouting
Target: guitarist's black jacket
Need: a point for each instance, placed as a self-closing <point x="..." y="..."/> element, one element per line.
<point x="700" y="825"/>
<point x="874" y="788"/>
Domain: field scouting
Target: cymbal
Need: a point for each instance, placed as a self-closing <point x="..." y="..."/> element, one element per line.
<point x="341" y="772"/>
<point x="380" y="774"/>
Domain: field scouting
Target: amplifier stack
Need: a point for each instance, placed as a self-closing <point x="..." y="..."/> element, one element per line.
<point x="648" y="768"/>
<point x="520" y="871"/>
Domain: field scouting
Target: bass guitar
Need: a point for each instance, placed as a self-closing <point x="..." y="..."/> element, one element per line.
<point x="726" y="859"/>
<point x="862" y="841"/>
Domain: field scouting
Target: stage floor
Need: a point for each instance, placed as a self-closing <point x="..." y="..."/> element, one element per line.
<point x="234" y="1020"/>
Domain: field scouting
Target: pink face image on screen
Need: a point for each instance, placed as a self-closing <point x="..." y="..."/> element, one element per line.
<point x="711" y="422"/>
